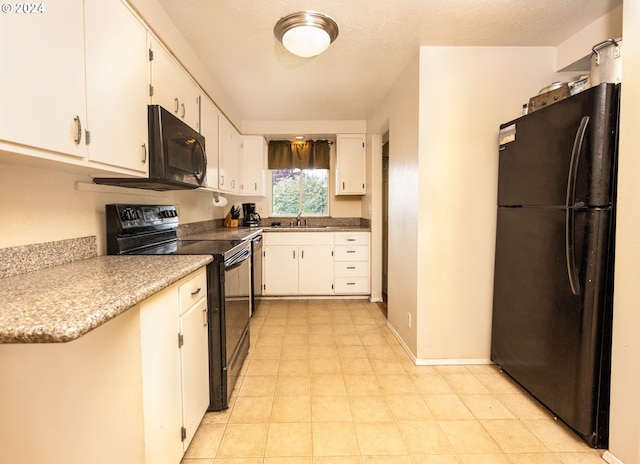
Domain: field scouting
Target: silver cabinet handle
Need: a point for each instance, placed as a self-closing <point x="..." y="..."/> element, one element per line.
<point x="184" y="110"/>
<point x="196" y="291"/>
<point x="343" y="186"/>
<point x="221" y="180"/>
<point x="144" y="153"/>
<point x="351" y="251"/>
<point x="255" y="186"/>
<point x="351" y="240"/>
<point x="177" y="105"/>
<point x="351" y="267"/>
<point x="78" y="136"/>
<point x="302" y="254"/>
<point x="294" y="254"/>
<point x="204" y="317"/>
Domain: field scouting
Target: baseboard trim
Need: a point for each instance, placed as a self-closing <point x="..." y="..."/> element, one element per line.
<point x="610" y="458"/>
<point x="436" y="362"/>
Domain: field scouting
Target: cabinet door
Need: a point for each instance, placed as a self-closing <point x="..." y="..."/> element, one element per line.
<point x="43" y="80"/>
<point x="228" y="156"/>
<point x="195" y="368"/>
<point x="117" y="85"/>
<point x="161" y="386"/>
<point x="280" y="267"/>
<point x="173" y="88"/>
<point x="209" y="128"/>
<point x="253" y="165"/>
<point x="315" y="270"/>
<point x="351" y="163"/>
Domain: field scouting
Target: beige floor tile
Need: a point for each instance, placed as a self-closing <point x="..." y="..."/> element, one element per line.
<point x="293" y="339"/>
<point x="486" y="406"/>
<point x="369" y="409"/>
<point x="337" y="460"/>
<point x="447" y="407"/>
<point x="330" y="409"/>
<point x="251" y="410"/>
<point x="437" y="459"/>
<point x="523" y="406"/>
<point x="219" y="417"/>
<point x="343" y="327"/>
<point x="258" y="385"/>
<point x="291" y="409"/>
<point x="397" y="385"/>
<point x="379" y="351"/>
<point x="234" y="461"/>
<point x="386" y="460"/>
<point x="351" y="351"/>
<point x="266" y="352"/>
<point x="323" y="352"/>
<point x="534" y="458"/>
<point x="287" y="460"/>
<point x="431" y="384"/>
<point x="334" y="439"/>
<point x="464" y="383"/>
<point x="425" y="437"/>
<point x="409" y="408"/>
<point x="297" y="329"/>
<point x="499" y="383"/>
<point x="352" y="339"/>
<point x="513" y="437"/>
<point x="374" y="340"/>
<point x="319" y="327"/>
<point x="325" y="366"/>
<point x="469" y="437"/>
<point x="327" y="385"/>
<point x="262" y="366"/>
<point x="206" y="441"/>
<point x="361" y="384"/>
<point x="485" y="459"/>
<point x="380" y="438"/>
<point x="243" y="440"/>
<point x="555" y="435"/>
<point x="356" y="366"/>
<point x="293" y="385"/>
<point x="320" y="339"/>
<point x="294" y="352"/>
<point x="387" y="366"/>
<point x="268" y="339"/>
<point x="294" y="367"/>
<point x="289" y="440"/>
<point x="593" y="457"/>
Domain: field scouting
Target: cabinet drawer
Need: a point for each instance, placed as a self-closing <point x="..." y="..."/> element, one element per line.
<point x="352" y="253"/>
<point x="298" y="238"/>
<point x="192" y="290"/>
<point x="352" y="238"/>
<point x="352" y="285"/>
<point x="350" y="269"/>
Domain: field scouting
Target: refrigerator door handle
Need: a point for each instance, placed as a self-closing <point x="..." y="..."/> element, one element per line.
<point x="570" y="203"/>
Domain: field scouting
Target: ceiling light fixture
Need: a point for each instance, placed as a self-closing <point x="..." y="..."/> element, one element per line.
<point x="306" y="33"/>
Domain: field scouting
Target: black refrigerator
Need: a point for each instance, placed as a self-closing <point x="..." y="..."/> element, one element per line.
<point x="553" y="281"/>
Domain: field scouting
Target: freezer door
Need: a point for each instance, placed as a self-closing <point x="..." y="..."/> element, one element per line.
<point x="547" y="338"/>
<point x="537" y="152"/>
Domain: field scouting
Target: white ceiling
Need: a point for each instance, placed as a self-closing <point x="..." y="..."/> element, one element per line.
<point x="234" y="40"/>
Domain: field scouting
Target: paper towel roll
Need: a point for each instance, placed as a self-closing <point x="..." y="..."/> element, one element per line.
<point x="219" y="201"/>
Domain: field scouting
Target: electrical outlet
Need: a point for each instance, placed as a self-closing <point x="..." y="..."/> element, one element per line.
<point x="409" y="320"/>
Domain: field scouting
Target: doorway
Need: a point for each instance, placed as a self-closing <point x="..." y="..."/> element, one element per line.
<point x="385" y="214"/>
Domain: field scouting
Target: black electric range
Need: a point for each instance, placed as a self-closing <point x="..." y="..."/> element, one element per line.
<point x="151" y="230"/>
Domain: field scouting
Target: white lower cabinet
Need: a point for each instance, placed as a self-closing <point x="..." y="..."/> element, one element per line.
<point x="352" y="263"/>
<point x="298" y="263"/>
<point x="316" y="263"/>
<point x="120" y="394"/>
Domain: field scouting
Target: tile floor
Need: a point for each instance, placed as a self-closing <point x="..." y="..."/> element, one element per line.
<point x="327" y="383"/>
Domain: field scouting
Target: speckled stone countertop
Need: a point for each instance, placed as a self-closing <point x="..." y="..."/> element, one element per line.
<point x="62" y="303"/>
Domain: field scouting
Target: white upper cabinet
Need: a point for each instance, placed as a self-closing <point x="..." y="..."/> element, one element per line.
<point x="117" y="85"/>
<point x="229" y="157"/>
<point x="350" y="164"/>
<point x="210" y="114"/>
<point x="254" y="153"/>
<point x="172" y="87"/>
<point x="43" y="82"/>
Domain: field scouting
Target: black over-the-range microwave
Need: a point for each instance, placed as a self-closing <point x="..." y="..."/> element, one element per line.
<point x="177" y="156"/>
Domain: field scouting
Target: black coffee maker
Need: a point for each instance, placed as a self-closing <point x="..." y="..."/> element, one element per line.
<point x="251" y="217"/>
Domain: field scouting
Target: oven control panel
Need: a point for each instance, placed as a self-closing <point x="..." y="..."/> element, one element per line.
<point x="143" y="216"/>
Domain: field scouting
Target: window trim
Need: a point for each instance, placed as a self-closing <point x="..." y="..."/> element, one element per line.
<point x="314" y="215"/>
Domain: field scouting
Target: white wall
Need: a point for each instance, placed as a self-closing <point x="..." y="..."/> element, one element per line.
<point x="42" y="204"/>
<point x="624" y="441"/>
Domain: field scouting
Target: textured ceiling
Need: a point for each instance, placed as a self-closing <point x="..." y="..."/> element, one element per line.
<point x="234" y="39"/>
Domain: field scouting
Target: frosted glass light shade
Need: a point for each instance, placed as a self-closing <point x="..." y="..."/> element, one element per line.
<point x="306" y="41"/>
<point x="306" y="33"/>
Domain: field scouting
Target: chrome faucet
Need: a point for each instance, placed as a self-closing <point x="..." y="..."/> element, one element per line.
<point x="298" y="219"/>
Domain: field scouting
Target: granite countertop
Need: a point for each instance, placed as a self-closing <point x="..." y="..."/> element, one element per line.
<point x="62" y="303"/>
